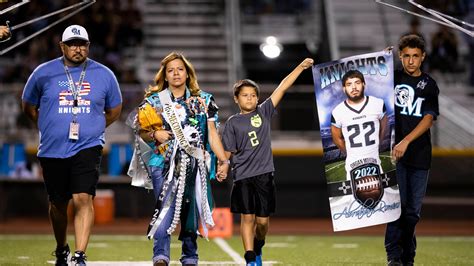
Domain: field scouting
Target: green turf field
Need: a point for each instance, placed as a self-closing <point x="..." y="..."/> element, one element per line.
<point x="281" y="250"/>
<point x="336" y="172"/>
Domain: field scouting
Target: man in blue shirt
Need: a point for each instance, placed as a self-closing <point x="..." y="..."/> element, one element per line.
<point x="72" y="99"/>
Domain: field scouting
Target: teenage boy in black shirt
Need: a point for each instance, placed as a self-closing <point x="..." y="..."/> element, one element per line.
<point x="416" y="107"/>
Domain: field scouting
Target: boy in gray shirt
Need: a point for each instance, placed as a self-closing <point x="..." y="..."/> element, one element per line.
<point x="247" y="138"/>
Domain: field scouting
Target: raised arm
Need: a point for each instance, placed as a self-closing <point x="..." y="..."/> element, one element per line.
<point x="286" y="83"/>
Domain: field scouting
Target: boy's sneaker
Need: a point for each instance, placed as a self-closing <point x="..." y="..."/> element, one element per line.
<point x="79" y="258"/>
<point x="250" y="258"/>
<point x="258" y="260"/>
<point x="62" y="255"/>
<point x="258" y="245"/>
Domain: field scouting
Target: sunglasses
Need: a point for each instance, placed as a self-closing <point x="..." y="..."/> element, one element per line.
<point x="74" y="44"/>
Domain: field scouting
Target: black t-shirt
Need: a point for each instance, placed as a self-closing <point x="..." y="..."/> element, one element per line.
<point x="415" y="97"/>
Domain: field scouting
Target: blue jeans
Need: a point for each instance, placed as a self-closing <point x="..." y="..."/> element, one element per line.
<point x="400" y="239"/>
<point x="161" y="239"/>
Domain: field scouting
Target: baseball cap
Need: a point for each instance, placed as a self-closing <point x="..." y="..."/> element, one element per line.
<point x="75" y="32"/>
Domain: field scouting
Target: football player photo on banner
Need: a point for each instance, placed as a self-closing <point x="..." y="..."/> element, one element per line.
<point x="355" y="103"/>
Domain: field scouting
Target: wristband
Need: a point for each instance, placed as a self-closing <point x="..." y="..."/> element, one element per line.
<point x="225" y="161"/>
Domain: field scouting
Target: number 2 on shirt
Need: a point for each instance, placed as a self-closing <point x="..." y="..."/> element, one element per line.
<point x="253" y="138"/>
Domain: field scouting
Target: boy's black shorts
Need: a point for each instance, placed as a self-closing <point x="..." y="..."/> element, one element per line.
<point x="76" y="174"/>
<point x="254" y="195"/>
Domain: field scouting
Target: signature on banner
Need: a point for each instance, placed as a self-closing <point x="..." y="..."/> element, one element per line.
<point x="355" y="209"/>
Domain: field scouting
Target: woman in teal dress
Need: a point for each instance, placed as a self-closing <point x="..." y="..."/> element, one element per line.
<point x="179" y="122"/>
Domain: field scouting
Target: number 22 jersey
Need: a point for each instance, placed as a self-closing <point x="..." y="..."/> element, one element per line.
<point x="360" y="126"/>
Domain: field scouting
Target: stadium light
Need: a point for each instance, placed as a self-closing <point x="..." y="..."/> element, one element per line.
<point x="271" y="48"/>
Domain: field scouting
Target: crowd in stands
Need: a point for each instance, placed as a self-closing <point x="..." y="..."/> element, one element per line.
<point x="444" y="44"/>
<point x="113" y="26"/>
<point x="456" y="8"/>
<point x="117" y="25"/>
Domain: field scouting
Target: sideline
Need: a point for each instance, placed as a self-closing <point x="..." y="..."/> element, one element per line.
<point x="147" y="263"/>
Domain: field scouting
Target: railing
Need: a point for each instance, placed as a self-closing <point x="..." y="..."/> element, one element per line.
<point x="331" y="29"/>
<point x="233" y="38"/>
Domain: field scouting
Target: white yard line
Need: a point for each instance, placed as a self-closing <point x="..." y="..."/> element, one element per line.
<point x="345" y="245"/>
<point x="173" y="262"/>
<point x="227" y="249"/>
<point x="335" y="166"/>
<point x="238" y="260"/>
<point x="148" y="263"/>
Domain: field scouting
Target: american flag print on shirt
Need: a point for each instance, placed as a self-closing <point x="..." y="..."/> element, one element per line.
<point x="66" y="98"/>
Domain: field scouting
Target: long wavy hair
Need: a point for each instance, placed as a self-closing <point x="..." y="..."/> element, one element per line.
<point x="160" y="77"/>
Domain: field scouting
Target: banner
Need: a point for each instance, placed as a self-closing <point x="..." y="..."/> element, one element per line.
<point x="357" y="132"/>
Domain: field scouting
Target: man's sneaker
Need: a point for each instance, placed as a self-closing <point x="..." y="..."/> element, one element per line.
<point x="62" y="255"/>
<point x="79" y="258"/>
<point x="252" y="263"/>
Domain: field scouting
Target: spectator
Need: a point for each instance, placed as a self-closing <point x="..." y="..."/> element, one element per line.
<point x="444" y="50"/>
<point x="107" y="20"/>
<point x="414" y="28"/>
<point x="470" y="40"/>
<point x="132" y="25"/>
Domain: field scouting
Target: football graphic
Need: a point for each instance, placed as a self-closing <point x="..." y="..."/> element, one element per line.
<point x="368" y="190"/>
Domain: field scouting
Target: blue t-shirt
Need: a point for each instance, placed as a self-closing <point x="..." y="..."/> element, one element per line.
<point x="48" y="89"/>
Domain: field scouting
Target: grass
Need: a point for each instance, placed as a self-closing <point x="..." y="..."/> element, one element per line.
<point x="286" y="250"/>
